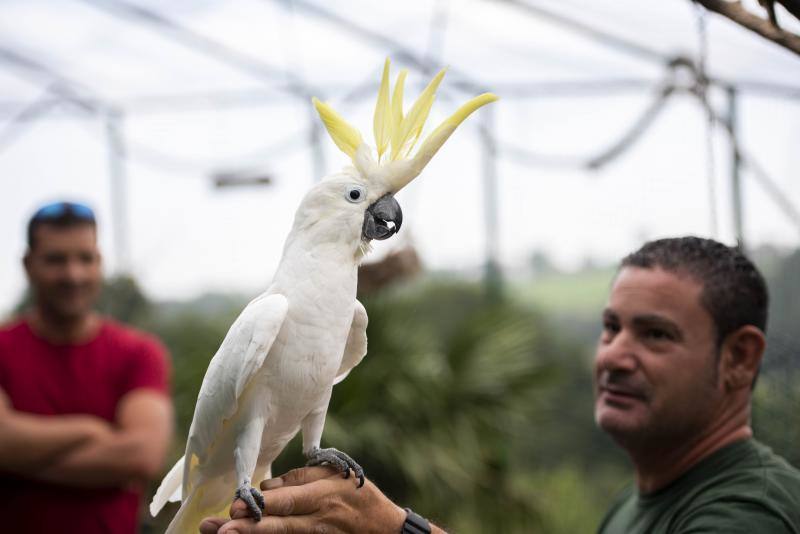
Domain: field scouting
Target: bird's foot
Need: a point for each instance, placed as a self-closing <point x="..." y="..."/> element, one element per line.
<point x="337" y="459"/>
<point x="252" y="498"/>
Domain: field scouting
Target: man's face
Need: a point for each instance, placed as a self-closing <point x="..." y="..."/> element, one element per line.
<point x="655" y="366"/>
<point x="64" y="270"/>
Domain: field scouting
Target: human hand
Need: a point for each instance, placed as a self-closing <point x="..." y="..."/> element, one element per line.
<point x="93" y="428"/>
<point x="311" y="500"/>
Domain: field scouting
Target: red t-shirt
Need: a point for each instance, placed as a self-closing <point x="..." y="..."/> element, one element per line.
<point x="90" y="378"/>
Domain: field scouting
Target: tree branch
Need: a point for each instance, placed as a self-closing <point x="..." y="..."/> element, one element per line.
<point x="738" y="14"/>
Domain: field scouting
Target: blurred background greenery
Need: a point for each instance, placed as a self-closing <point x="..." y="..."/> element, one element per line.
<point x="475" y="407"/>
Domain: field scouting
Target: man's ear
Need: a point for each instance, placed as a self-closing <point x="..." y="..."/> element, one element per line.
<point x="741" y="355"/>
<point x="26" y="262"/>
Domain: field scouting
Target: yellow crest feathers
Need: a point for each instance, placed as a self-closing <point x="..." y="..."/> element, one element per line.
<point x="397" y="110"/>
<point x="412" y="124"/>
<point x="395" y="131"/>
<point x="343" y="134"/>
<point x="382" y="123"/>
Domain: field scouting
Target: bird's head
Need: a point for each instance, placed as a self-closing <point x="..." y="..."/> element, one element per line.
<point x="362" y="195"/>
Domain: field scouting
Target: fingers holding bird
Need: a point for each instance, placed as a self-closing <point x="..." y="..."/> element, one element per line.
<point x="304" y="499"/>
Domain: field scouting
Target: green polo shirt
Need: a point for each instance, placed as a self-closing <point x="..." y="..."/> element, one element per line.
<point x="742" y="488"/>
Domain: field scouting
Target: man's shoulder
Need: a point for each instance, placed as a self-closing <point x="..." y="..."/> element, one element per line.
<point x="128" y="336"/>
<point x="620" y="506"/>
<point x="759" y="488"/>
<point x="744" y="488"/>
<point x="141" y="356"/>
<point x="12" y="332"/>
<point x="759" y="473"/>
<point x="11" y="327"/>
<point x="774" y="464"/>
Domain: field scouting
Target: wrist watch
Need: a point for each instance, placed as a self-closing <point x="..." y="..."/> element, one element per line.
<point x="415" y="524"/>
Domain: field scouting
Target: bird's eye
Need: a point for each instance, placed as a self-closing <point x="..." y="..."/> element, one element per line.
<point x="355" y="193"/>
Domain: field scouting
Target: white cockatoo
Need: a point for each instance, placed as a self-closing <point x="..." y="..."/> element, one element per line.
<point x="274" y="372"/>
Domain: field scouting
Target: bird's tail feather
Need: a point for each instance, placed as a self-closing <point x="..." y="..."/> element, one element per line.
<point x="204" y="501"/>
<point x="169" y="490"/>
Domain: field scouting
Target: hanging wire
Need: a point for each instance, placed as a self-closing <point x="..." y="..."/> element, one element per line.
<point x="15" y="126"/>
<point x="163" y="161"/>
<point x="636" y="130"/>
<point x="702" y="88"/>
<point x="769" y="185"/>
<point x="604" y="38"/>
<point x="771" y="188"/>
<point x="662" y="92"/>
<point x="200" y="43"/>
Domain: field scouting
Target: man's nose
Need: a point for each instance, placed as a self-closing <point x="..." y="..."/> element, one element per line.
<point x="75" y="270"/>
<point x="619" y="354"/>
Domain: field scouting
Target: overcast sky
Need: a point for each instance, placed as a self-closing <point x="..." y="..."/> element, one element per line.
<point x="186" y="237"/>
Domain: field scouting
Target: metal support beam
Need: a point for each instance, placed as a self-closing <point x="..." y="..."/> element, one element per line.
<point x="736" y="166"/>
<point x="119" y="209"/>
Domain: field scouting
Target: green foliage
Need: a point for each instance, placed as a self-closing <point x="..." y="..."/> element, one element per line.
<point x="121" y="298"/>
<point x="777" y="394"/>
<point x="573" y="499"/>
<point x="785" y="292"/>
<point x="775" y="416"/>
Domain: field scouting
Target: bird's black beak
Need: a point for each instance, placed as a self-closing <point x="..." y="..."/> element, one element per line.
<point x="382" y="219"/>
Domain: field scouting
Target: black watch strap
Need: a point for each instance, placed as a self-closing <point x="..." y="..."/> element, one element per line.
<point x="415" y="524"/>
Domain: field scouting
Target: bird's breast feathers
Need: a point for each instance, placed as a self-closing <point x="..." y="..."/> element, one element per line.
<point x="308" y="352"/>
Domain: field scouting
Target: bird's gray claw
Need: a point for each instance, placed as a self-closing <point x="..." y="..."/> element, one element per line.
<point x="259" y="497"/>
<point x="252" y="498"/>
<point x="337" y="459"/>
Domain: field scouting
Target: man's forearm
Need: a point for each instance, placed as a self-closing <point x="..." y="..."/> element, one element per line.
<point x="117" y="460"/>
<point x="30" y="443"/>
<point x="86" y="451"/>
<point x="133" y="452"/>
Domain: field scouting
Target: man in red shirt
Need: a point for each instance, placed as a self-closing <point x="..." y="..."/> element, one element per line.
<point x="85" y="413"/>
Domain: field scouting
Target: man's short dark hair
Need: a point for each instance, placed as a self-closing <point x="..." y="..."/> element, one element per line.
<point x="61" y="215"/>
<point x="734" y="292"/>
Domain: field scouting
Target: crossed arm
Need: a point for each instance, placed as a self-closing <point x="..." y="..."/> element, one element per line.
<point x="315" y="499"/>
<point x="84" y="450"/>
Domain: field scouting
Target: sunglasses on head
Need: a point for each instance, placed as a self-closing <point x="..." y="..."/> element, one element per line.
<point x="59" y="209"/>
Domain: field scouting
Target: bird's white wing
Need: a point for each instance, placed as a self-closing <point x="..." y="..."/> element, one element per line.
<point x="240" y="356"/>
<point x="356" y="347"/>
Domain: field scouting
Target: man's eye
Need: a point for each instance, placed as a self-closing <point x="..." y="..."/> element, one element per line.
<point x="55" y="259"/>
<point x="657" y="334"/>
<point x="609" y="331"/>
<point x="608" y="326"/>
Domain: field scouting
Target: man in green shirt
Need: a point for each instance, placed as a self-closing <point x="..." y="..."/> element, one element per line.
<point x="682" y="341"/>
